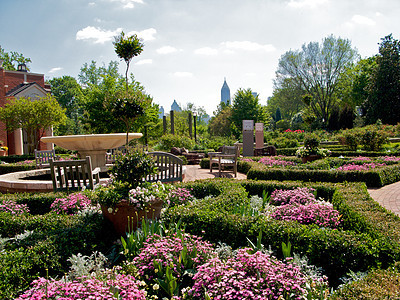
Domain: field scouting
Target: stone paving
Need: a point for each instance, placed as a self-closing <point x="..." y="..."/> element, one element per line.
<point x="387" y="196"/>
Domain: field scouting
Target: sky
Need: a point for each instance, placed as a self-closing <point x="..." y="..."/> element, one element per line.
<point x="190" y="45"/>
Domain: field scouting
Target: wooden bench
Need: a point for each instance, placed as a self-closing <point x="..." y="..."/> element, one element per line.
<point x="227" y="157"/>
<point x="74" y="175"/>
<point x="42" y="158"/>
<point x="170" y="167"/>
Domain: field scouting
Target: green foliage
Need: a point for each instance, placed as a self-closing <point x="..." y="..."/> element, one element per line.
<point x="33" y="115"/>
<point x="372" y="139"/>
<point x="167" y="141"/>
<point x="283" y="124"/>
<point x="127" y="47"/>
<point x="371" y="239"/>
<point x="11" y="59"/>
<point x="283" y="142"/>
<point x="132" y="167"/>
<point x="220" y="124"/>
<point x="38" y="203"/>
<point x="383" y="101"/>
<point x="311" y="141"/>
<point x="246" y="106"/>
<point x="14" y="167"/>
<point x="316" y="69"/>
<point x="68" y="93"/>
<point x="378" y="284"/>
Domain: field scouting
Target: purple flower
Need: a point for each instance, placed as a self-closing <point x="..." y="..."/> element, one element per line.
<point x="71" y="205"/>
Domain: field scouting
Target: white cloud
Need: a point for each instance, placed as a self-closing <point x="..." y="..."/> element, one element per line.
<point x="306" y="3"/>
<point x="206" y="51"/>
<point x="54" y="70"/>
<point x="183" y="74"/>
<point x="248" y="46"/>
<point x="91" y="4"/>
<point x="166" y="50"/>
<point x="144" y="62"/>
<point x="128" y="3"/>
<point x="98" y="35"/>
<point x="146" y="35"/>
<point x="362" y="20"/>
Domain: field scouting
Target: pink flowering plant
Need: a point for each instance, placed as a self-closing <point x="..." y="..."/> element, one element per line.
<point x="360" y="167"/>
<point x="294" y="196"/>
<point x="71" y="205"/>
<point x="249" y="276"/>
<point x="171" y="261"/>
<point x="13" y="207"/>
<point x="179" y="195"/>
<point x="301" y="205"/>
<point x="110" y="286"/>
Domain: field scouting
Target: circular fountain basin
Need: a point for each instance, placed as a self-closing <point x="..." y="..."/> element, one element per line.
<point x="29" y="182"/>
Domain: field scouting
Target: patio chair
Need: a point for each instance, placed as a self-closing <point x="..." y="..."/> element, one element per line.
<point x="227" y="157"/>
<point x="74" y="175"/>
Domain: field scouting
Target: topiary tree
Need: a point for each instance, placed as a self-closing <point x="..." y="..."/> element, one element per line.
<point x="127" y="47"/>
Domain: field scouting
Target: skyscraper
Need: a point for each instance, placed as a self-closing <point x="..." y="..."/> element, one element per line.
<point x="225" y="93"/>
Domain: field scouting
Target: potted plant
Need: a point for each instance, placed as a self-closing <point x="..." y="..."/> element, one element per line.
<point x="310" y="151"/>
<point x="127" y="198"/>
<point x="3" y="149"/>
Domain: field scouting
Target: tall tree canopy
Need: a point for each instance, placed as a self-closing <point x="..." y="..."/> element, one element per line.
<point x="316" y="68"/>
<point x="12" y="59"/>
<point x="383" y="101"/>
<point x="127" y="47"/>
<point x="246" y="106"/>
<point x="68" y="93"/>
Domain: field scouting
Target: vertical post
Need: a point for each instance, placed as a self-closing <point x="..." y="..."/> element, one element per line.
<point x="172" y="122"/>
<point x="194" y="122"/>
<point x="164" y="121"/>
<point x="190" y="125"/>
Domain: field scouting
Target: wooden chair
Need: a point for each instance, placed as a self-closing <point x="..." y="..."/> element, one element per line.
<point x="170" y="167"/>
<point x="42" y="158"/>
<point x="227" y="157"/>
<point x="74" y="175"/>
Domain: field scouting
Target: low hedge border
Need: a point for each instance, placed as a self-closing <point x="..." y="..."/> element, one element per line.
<point x="10" y="168"/>
<point x="369" y="239"/>
<point x="373" y="178"/>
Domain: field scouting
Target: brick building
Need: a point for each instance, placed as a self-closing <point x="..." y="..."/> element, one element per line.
<point x="18" y="84"/>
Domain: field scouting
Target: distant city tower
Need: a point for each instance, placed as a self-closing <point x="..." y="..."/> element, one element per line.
<point x="225" y="93"/>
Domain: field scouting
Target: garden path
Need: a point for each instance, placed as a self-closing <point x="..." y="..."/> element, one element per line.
<point x="388" y="196"/>
<point x="194" y="172"/>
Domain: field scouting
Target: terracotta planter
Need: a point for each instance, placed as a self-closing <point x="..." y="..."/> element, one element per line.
<point x="310" y="158"/>
<point x="119" y="215"/>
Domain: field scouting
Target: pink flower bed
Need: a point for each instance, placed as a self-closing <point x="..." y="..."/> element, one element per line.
<point x="295" y="196"/>
<point x="249" y="276"/>
<point x="363" y="167"/>
<point x="301" y="205"/>
<point x="167" y="250"/>
<point x="390" y="158"/>
<point x="179" y="196"/>
<point x="319" y="213"/>
<point x="13" y="207"/>
<point x="70" y="205"/>
<point x="275" y="162"/>
<point x="125" y="286"/>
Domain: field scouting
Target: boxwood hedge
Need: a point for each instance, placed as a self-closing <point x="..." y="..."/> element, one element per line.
<point x="369" y="236"/>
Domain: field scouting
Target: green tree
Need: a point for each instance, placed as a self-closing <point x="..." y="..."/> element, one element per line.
<point x="246" y="106"/>
<point x="316" y="68"/>
<point x="383" y="101"/>
<point x="68" y="93"/>
<point x="287" y="95"/>
<point x="34" y="116"/>
<point x="128" y="109"/>
<point x="91" y="74"/>
<point x="220" y="124"/>
<point x="12" y="59"/>
<point x="127" y="47"/>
